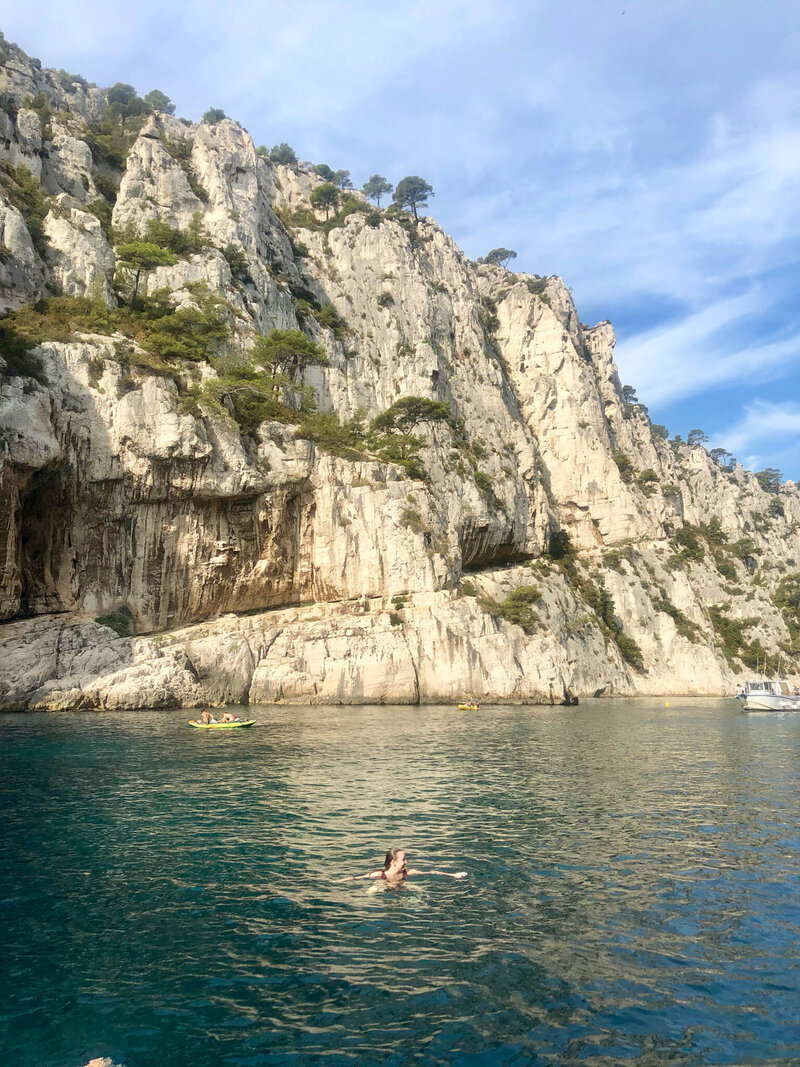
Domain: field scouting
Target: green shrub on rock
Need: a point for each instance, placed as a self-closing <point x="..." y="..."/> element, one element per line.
<point x="687" y="544"/>
<point x="178" y="242"/>
<point x="248" y="397"/>
<point x="731" y="639"/>
<point x="787" y="599"/>
<point x="329" y="317"/>
<point x="187" y="333"/>
<point x="110" y="140"/>
<point x="26" y="194"/>
<point x="137" y="258"/>
<point x="343" y="439"/>
<point x="101" y="209"/>
<point x="518" y="606"/>
<point x="684" y="625"/>
<point x="59" y="318"/>
<point x="283" y="153"/>
<point x="237" y="262"/>
<point x="288" y="352"/>
<point x="401" y="449"/>
<point x="629" y="650"/>
<point x="624" y="465"/>
<point x="120" y="621"/>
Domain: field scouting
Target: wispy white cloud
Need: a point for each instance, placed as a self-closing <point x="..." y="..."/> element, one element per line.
<point x="765" y="424"/>
<point x="694" y="354"/>
<point x="724" y="221"/>
<point x="682" y="231"/>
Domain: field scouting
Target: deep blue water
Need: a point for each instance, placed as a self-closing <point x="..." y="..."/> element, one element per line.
<point x="174" y="897"/>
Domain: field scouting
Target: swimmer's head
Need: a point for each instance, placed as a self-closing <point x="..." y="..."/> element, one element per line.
<point x="395" y="856"/>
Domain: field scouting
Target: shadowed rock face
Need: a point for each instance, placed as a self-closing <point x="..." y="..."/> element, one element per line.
<point x="118" y="499"/>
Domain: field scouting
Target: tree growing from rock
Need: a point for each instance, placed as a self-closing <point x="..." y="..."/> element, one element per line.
<point x="123" y="103"/>
<point x="287" y="353"/>
<point x="696" y="437"/>
<point x="322" y="170"/>
<point x="191" y="333"/>
<point x="159" y="101"/>
<point x="342" y="179"/>
<point x="376" y="187"/>
<point x="769" y="479"/>
<point x="214" y="115"/>
<point x="412" y="192"/>
<point x="560" y="545"/>
<point x="325" y="196"/>
<point x="724" y="458"/>
<point x="390" y="434"/>
<point x="140" y="257"/>
<point x="283" y="153"/>
<point x="500" y="257"/>
<point x="409" y="412"/>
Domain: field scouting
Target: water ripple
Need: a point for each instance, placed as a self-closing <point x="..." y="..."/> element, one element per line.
<point x="176" y="897"/>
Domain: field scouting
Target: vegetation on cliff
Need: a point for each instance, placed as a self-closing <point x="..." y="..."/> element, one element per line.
<point x="295" y="300"/>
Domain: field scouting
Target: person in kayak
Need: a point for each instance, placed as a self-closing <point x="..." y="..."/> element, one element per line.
<point x="206" y="718"/>
<point x="227" y="717"/>
<point x="396" y="870"/>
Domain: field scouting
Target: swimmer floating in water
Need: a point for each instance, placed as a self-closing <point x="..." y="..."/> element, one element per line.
<point x="395" y="869"/>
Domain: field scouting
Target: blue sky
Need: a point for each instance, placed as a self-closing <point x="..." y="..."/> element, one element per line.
<point x="648" y="151"/>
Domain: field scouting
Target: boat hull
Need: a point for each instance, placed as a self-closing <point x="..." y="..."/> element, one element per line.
<point x="221" y="725"/>
<point x="769" y="702"/>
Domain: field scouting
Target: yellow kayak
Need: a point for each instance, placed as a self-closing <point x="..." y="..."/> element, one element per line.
<point x="469" y="707"/>
<point x="220" y="725"/>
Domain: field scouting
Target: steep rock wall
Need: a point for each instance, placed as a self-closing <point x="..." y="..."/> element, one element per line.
<point x="120" y="493"/>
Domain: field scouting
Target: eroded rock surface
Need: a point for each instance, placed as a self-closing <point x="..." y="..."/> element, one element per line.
<point x="604" y="558"/>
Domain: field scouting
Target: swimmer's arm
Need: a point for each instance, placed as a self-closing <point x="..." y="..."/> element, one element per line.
<point x="353" y="877"/>
<point x="444" y="874"/>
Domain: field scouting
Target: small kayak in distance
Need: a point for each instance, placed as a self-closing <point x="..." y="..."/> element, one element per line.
<point x="469" y="707"/>
<point x="221" y="725"/>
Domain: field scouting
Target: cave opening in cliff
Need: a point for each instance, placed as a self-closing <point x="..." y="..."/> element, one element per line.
<point x="43" y="533"/>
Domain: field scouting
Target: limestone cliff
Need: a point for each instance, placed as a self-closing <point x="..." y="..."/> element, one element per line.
<point x="180" y="523"/>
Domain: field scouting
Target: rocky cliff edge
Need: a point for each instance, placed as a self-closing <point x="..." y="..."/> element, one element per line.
<point x="441" y="489"/>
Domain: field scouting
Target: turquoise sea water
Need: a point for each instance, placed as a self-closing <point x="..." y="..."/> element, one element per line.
<point x="173" y="896"/>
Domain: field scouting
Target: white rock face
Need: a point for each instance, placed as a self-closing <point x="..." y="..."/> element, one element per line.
<point x="69" y="165"/>
<point x="271" y="568"/>
<point x="25" y="416"/>
<point x="148" y="424"/>
<point x="84" y="665"/>
<point x="80" y="259"/>
<point x="22" y="275"/>
<point x="153" y="185"/>
<point x="347" y="653"/>
<point x="434" y="648"/>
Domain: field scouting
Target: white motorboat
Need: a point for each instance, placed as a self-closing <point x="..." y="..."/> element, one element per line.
<point x="764" y="695"/>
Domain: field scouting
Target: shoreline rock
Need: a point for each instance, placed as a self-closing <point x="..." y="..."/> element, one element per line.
<point x="431" y="649"/>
